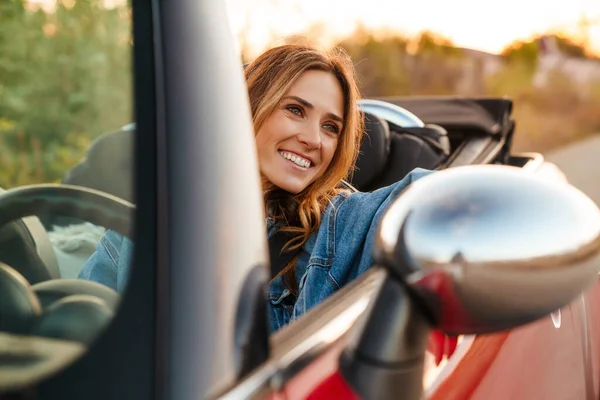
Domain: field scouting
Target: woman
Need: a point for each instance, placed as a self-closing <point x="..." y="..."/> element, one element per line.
<point x="308" y="130"/>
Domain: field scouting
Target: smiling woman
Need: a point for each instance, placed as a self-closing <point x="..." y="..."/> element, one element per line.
<point x="308" y="131"/>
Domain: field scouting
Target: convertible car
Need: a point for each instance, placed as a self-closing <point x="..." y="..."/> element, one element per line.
<point x="485" y="283"/>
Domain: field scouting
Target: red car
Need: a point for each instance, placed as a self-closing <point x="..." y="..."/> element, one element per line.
<point x="485" y="284"/>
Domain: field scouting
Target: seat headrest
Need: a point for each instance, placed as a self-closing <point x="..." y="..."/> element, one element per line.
<point x="108" y="165"/>
<point x="374" y="151"/>
<point x="434" y="135"/>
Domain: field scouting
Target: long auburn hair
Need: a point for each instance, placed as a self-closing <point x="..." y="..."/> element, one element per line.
<point x="268" y="79"/>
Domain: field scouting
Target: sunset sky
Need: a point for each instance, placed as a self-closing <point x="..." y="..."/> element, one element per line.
<point x="478" y="24"/>
<point x="482" y="25"/>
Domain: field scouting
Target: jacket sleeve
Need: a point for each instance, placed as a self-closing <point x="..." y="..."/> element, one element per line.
<point x="111" y="262"/>
<point x="356" y="223"/>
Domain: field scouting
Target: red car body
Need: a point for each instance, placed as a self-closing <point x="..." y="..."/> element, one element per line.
<point x="552" y="358"/>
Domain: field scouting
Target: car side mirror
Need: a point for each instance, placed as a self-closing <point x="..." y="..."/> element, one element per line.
<point x="487" y="248"/>
<point x="469" y="250"/>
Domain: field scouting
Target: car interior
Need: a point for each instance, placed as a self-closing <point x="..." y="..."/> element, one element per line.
<point x="44" y="298"/>
<point x="388" y="152"/>
<point x="51" y="303"/>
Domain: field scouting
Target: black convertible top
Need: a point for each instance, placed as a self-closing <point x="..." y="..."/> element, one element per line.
<point x="487" y="116"/>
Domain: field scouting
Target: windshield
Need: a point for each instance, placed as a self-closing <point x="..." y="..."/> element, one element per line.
<point x="65" y="109"/>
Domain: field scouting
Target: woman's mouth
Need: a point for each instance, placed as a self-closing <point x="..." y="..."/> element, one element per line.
<point x="296" y="159"/>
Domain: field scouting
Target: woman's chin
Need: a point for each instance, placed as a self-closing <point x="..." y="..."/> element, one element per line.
<point x="290" y="187"/>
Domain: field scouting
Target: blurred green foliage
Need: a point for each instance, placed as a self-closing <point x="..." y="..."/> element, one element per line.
<point x="65" y="77"/>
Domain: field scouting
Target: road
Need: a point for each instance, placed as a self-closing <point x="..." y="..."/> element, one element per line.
<point x="581" y="163"/>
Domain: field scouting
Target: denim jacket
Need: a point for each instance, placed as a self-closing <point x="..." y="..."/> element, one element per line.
<point x="337" y="253"/>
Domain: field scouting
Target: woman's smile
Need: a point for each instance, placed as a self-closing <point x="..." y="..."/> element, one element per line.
<point x="296" y="159"/>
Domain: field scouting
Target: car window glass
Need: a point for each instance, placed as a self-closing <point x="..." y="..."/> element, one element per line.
<point x="65" y="123"/>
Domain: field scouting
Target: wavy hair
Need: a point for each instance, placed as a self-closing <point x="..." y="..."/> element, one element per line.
<point x="268" y="79"/>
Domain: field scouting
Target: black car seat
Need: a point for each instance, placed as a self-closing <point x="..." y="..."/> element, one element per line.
<point x="374" y="152"/>
<point x="389" y="152"/>
<point x="412" y="148"/>
<point x="59" y="309"/>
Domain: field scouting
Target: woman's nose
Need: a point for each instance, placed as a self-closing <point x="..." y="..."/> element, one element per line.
<point x="311" y="136"/>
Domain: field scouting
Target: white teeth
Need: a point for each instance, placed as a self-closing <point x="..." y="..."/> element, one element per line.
<point x="302" y="162"/>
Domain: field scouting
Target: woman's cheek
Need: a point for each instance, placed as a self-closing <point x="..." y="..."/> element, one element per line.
<point x="331" y="147"/>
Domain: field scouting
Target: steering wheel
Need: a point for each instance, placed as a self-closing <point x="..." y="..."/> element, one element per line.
<point x="46" y="323"/>
<point x="91" y="205"/>
<point x="71" y="201"/>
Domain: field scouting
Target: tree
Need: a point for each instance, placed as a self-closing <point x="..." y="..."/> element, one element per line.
<point x="392" y="64"/>
<point x="380" y="63"/>
<point x="527" y="51"/>
<point x="430" y="43"/>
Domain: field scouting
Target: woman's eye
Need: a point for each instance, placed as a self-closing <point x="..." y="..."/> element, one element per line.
<point x="294" y="110"/>
<point x="332" y="128"/>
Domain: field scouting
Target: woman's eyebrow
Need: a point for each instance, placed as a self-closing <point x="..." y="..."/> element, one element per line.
<point x="311" y="107"/>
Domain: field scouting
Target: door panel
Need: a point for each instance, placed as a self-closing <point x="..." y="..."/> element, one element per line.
<point x="538" y="361"/>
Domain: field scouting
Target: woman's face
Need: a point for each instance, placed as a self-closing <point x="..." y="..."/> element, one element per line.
<point x="298" y="140"/>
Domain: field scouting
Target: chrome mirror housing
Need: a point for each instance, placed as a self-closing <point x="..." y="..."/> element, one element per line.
<point x="487" y="248"/>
